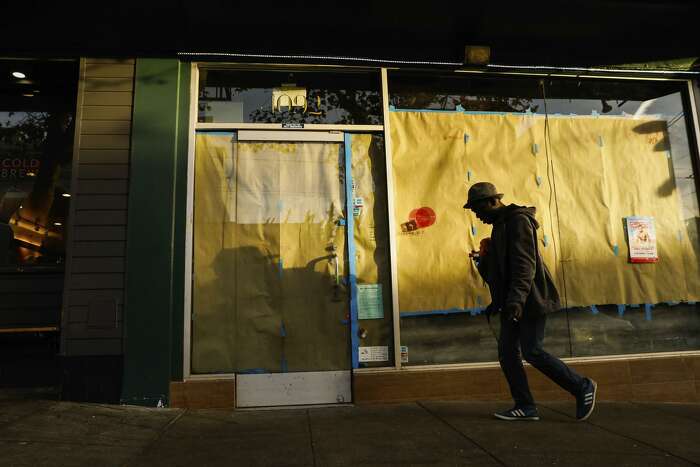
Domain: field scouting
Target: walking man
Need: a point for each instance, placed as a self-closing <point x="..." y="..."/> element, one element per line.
<point x="523" y="292"/>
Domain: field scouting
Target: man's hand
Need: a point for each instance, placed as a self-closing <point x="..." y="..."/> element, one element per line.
<point x="514" y="311"/>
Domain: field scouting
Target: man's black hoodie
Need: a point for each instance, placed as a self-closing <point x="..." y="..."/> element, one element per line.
<point x="513" y="267"/>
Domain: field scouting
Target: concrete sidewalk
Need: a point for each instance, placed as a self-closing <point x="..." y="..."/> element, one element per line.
<point x="41" y="432"/>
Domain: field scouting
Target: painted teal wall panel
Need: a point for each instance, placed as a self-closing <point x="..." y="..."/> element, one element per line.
<point x="151" y="246"/>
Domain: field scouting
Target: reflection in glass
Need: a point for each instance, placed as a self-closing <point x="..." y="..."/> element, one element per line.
<point x="36" y="137"/>
<point x="618" y="147"/>
<point x="289" y="97"/>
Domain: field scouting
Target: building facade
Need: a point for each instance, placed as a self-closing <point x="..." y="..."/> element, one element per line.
<point x="246" y="230"/>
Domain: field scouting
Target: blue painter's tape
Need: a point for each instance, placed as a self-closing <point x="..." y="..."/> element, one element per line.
<point x="352" y="255"/>
<point x="220" y="133"/>
<point x="595" y="113"/>
<point x="621" y="310"/>
<point x="283" y="365"/>
<point x="474" y="230"/>
<point x="545" y="240"/>
<point x="341" y="222"/>
<point x="450" y="311"/>
<point x="459" y="108"/>
<point x="594" y="309"/>
<point x="392" y="108"/>
<point x="647" y="311"/>
<point x="280" y="267"/>
<point x="283" y="330"/>
<point x="616" y="249"/>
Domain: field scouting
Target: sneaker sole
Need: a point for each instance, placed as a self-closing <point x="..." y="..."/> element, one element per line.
<point x="512" y="419"/>
<point x="595" y="395"/>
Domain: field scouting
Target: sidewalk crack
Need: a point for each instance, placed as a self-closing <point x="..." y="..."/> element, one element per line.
<point x="487" y="452"/>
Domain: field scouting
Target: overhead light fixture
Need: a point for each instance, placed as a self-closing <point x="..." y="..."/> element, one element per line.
<point x="58" y="224"/>
<point x="19" y="74"/>
<point x="65" y="195"/>
<point x="28" y="94"/>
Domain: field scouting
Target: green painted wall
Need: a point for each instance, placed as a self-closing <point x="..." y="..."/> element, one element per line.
<point x="155" y="231"/>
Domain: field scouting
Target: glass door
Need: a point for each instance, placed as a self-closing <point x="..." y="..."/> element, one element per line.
<point x="270" y="299"/>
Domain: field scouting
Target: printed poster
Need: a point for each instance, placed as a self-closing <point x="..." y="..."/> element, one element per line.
<point x="641" y="236"/>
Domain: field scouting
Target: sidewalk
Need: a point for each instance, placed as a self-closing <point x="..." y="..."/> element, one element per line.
<point x="41" y="432"/>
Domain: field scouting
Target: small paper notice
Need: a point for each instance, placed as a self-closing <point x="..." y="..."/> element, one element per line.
<point x="378" y="353"/>
<point x="641" y="235"/>
<point x="404" y="354"/>
<point x="369" y="301"/>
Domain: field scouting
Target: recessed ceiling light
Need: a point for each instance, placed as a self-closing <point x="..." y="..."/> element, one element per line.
<point x="57" y="223"/>
<point x="28" y="94"/>
<point x="66" y="195"/>
<point x="19" y="74"/>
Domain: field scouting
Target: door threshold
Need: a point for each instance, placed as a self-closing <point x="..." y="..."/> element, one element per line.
<point x="294" y="407"/>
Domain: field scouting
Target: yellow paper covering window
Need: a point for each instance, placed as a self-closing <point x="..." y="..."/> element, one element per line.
<point x="592" y="171"/>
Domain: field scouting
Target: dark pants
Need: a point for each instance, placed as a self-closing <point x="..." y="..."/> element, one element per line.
<point x="528" y="335"/>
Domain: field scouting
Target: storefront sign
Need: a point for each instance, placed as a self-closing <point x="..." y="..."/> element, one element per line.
<point x="18" y="167"/>
<point x="641" y="236"/>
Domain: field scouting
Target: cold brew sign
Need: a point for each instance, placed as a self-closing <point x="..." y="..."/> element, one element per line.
<point x="18" y="168"/>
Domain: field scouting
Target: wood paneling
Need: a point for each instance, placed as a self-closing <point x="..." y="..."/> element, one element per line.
<point x="114" y="248"/>
<point x="203" y="394"/>
<point x="667" y="379"/>
<point x="97" y="217"/>
<point x="106" y="141"/>
<point x="107" y="112"/>
<point x="95" y="286"/>
<point x="103" y="156"/>
<point x="104" y="171"/>
<point x="99" y="233"/>
<point x="125" y="84"/>
<point x="98" y="187"/>
<point x="97" y="281"/>
<point x="104" y="202"/>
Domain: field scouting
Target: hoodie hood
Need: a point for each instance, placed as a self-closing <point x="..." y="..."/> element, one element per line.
<point x="514" y="210"/>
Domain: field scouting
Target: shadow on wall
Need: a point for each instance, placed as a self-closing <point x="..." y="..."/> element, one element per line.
<point x="252" y="314"/>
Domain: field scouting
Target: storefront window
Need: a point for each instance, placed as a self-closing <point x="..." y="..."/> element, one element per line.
<point x="37" y="102"/>
<point x="289" y="97"/>
<point x="600" y="160"/>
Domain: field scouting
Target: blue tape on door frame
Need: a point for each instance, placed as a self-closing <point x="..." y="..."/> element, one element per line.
<point x="647" y="311"/>
<point x="450" y="311"/>
<point x="594" y="309"/>
<point x="621" y="310"/>
<point x="474" y="230"/>
<point x="616" y="249"/>
<point x="350" y="239"/>
<point x="215" y="132"/>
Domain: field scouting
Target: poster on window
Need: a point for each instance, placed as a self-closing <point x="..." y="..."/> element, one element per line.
<point x="641" y="236"/>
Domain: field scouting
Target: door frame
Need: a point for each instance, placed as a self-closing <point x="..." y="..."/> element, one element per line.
<point x="310" y="132"/>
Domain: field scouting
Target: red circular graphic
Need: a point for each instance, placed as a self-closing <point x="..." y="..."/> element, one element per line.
<point x="424" y="217"/>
